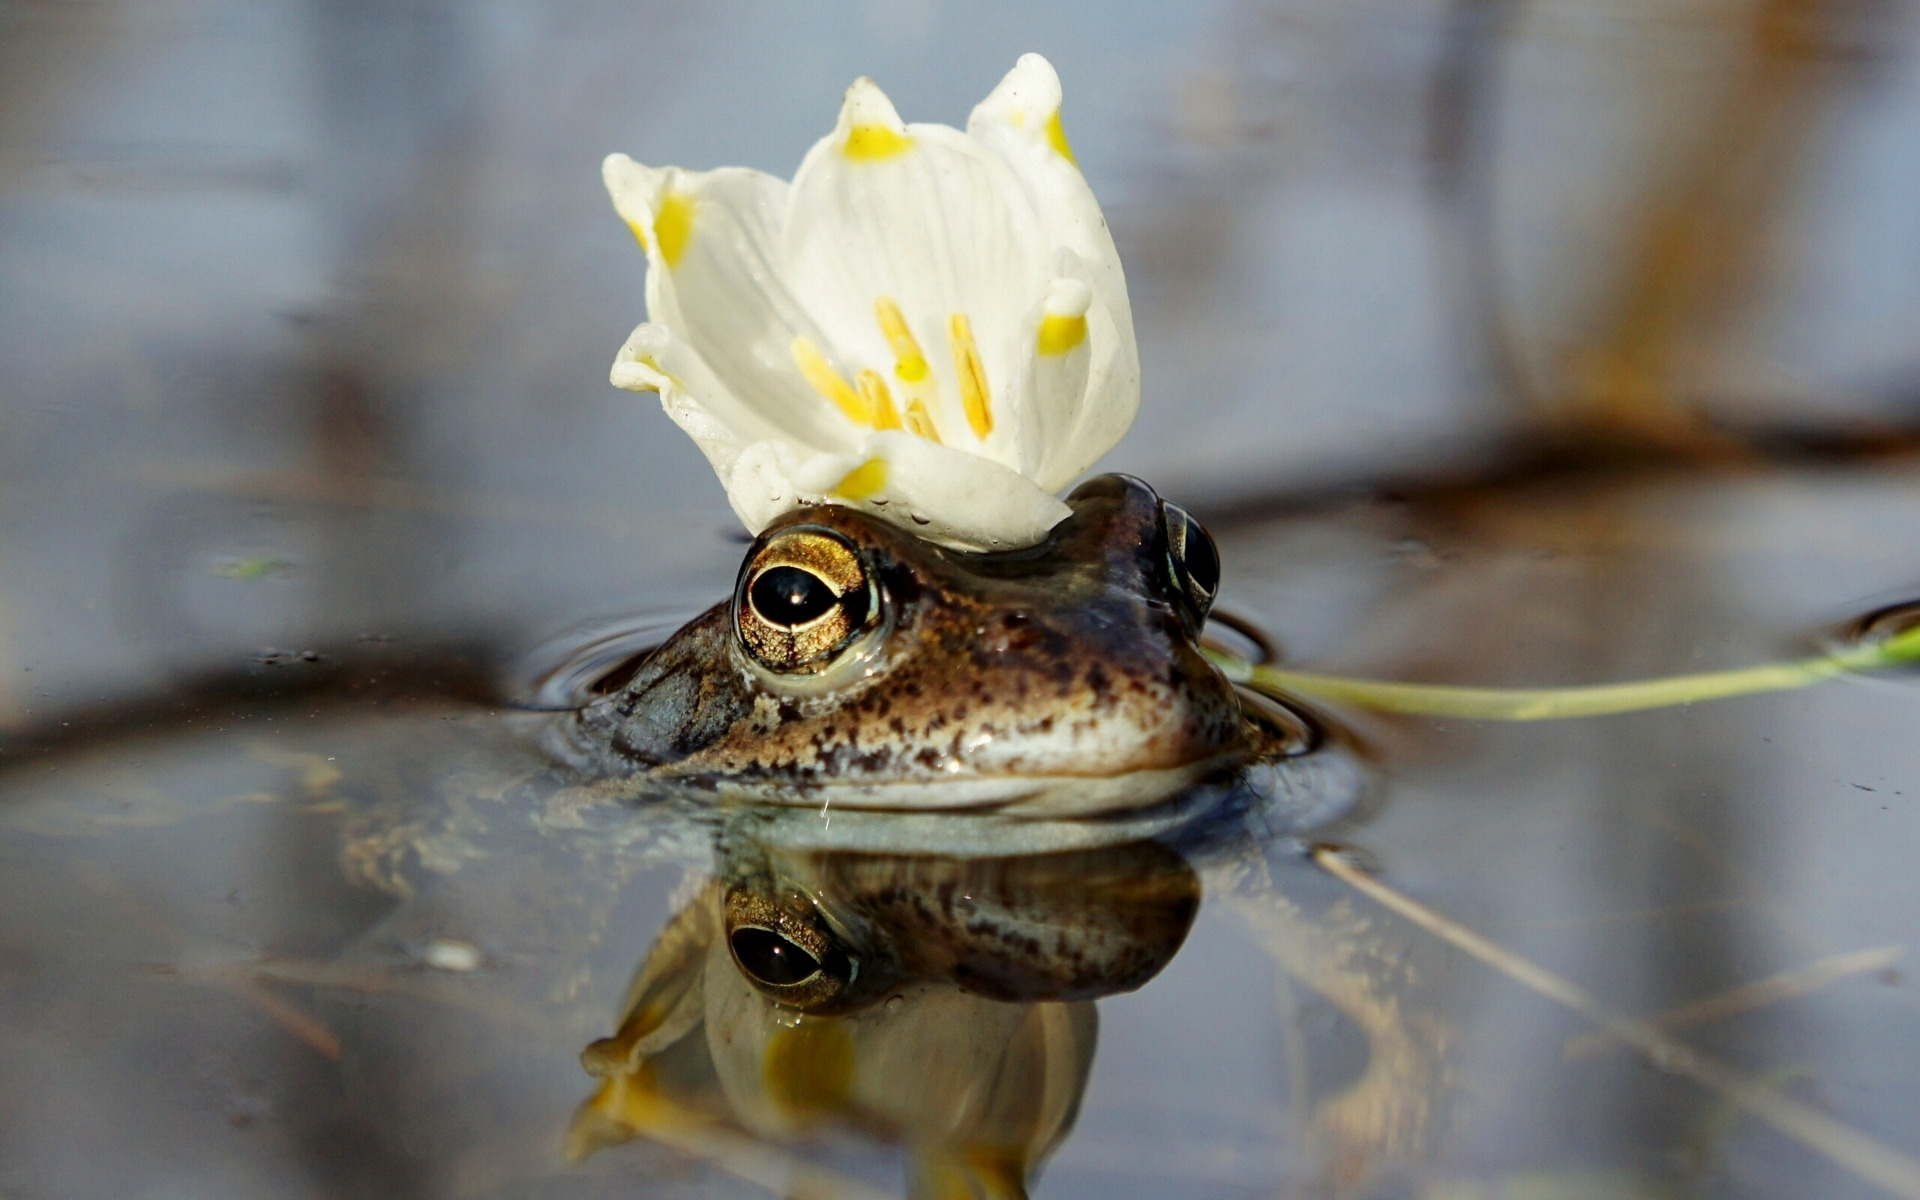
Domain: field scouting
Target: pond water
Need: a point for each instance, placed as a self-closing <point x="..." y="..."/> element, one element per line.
<point x="352" y="939"/>
<point x="1509" y="345"/>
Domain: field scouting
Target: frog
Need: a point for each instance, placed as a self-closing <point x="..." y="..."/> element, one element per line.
<point x="857" y="665"/>
<point x="940" y="1003"/>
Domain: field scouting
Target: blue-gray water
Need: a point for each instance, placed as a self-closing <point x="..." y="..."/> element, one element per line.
<point x="305" y="315"/>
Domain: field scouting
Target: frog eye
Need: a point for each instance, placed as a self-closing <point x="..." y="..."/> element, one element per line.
<point x="772" y="959"/>
<point x="1192" y="558"/>
<point x="804" y="596"/>
<point x="784" y="948"/>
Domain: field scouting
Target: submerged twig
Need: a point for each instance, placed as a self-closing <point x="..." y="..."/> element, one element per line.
<point x="1595" y="700"/>
<point x="1788" y="985"/>
<point x="1891" y="1169"/>
<point x="292" y="1018"/>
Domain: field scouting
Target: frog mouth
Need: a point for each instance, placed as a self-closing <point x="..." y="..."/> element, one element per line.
<point x="1269" y="733"/>
<point x="1024" y="795"/>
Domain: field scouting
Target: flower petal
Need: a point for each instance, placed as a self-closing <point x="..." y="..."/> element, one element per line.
<point x="961" y="499"/>
<point x="1056" y="385"/>
<point x="929" y="325"/>
<point x="713" y="278"/>
<point x="886" y="218"/>
<point x="694" y="398"/>
<point x="945" y="495"/>
<point x="1020" y="123"/>
<point x="654" y="360"/>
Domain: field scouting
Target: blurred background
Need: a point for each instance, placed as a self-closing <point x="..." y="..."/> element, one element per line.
<point x="1500" y="341"/>
<point x="306" y="308"/>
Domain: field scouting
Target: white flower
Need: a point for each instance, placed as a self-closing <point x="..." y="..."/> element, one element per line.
<point x="929" y="324"/>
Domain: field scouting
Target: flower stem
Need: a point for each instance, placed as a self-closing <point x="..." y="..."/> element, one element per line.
<point x="1553" y="704"/>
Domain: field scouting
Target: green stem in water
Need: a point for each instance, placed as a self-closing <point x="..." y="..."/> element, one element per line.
<point x="1554" y="704"/>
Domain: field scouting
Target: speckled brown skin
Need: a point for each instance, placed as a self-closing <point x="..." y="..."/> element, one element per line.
<point x="1069" y="660"/>
<point x="1067" y="926"/>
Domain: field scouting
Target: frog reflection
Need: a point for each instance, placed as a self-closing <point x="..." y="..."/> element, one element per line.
<point x="860" y="666"/>
<point x="940" y="1004"/>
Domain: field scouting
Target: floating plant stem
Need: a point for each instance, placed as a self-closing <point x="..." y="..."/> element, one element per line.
<point x="1596" y="700"/>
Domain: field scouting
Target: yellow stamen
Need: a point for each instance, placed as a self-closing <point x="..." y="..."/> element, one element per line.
<point x="1059" y="334"/>
<point x="872" y="142"/>
<point x="873" y="390"/>
<point x="921" y="422"/>
<point x="863" y="481"/>
<point x="825" y="380"/>
<point x="909" y="364"/>
<point x="973" y="376"/>
<point x="1057" y="138"/>
<point x="673" y="226"/>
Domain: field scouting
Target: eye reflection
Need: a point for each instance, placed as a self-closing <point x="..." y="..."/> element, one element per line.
<point x="923" y="997"/>
<point x="770" y="958"/>
<point x="789" y="951"/>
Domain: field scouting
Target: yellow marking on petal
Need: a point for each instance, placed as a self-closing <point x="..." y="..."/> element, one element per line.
<point x="870" y="143"/>
<point x="825" y="380"/>
<point x="921" y="422"/>
<point x="673" y="226"/>
<point x="1057" y="138"/>
<point x="639" y="234"/>
<point x="909" y="363"/>
<point x="1059" y="334"/>
<point x="973" y="376"/>
<point x="863" y="482"/>
<point x="648" y="360"/>
<point x="873" y="390"/>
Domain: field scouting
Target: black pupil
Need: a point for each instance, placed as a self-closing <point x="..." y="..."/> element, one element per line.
<point x="772" y="959"/>
<point x="1202" y="558"/>
<point x="790" y="596"/>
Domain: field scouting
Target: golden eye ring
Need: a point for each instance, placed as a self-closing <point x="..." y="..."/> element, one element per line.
<point x="804" y="596"/>
<point x="783" y="946"/>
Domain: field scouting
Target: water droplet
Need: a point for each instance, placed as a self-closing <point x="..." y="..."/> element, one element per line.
<point x="896" y="1003"/>
<point x="920" y="520"/>
<point x="452" y="954"/>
